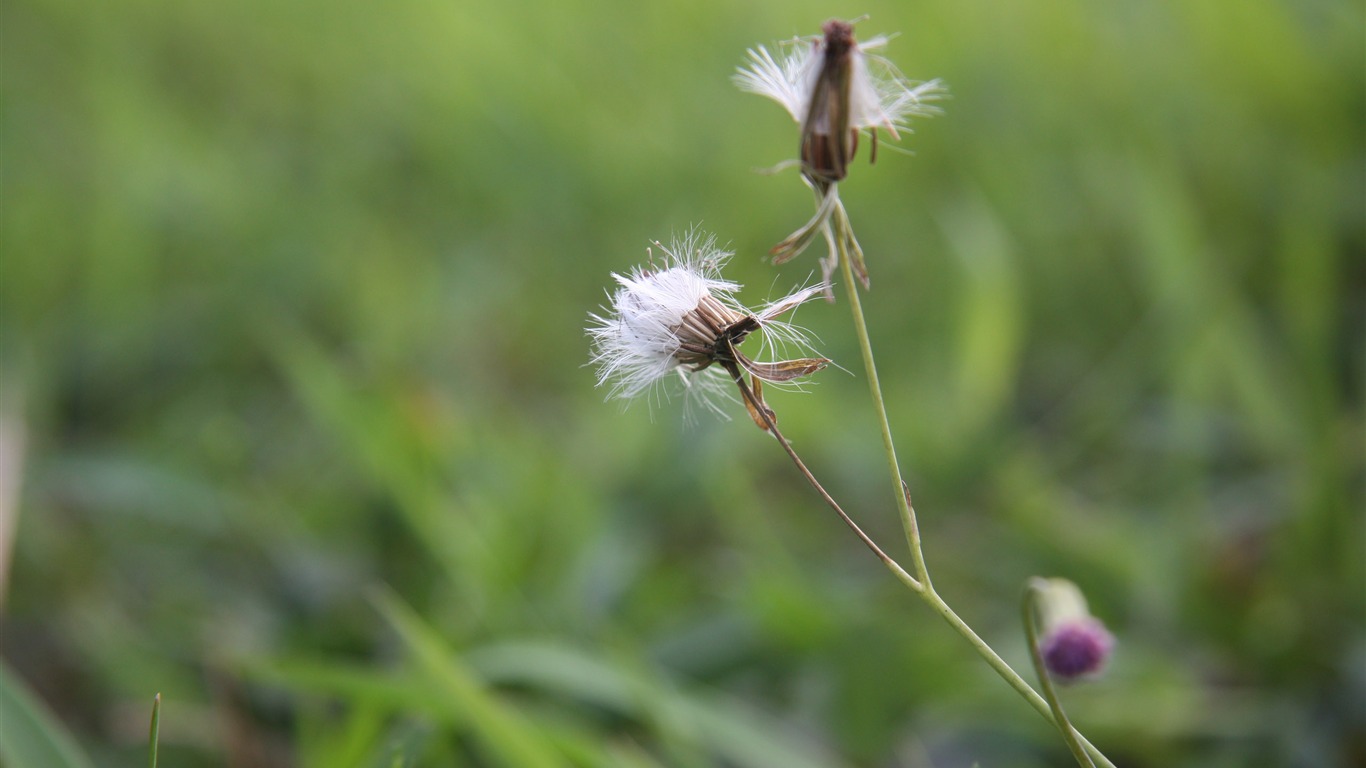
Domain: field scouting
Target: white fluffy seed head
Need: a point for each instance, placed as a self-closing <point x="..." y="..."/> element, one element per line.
<point x="657" y="317"/>
<point x="636" y="345"/>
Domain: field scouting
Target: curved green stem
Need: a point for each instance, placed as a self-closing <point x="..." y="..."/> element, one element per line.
<point x="1004" y="670"/>
<point x="841" y="235"/>
<point x="1069" y="734"/>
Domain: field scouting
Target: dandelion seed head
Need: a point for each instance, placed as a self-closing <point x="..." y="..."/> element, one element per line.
<point x="666" y="325"/>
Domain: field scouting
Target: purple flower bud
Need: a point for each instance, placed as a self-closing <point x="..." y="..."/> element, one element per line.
<point x="1076" y="648"/>
<point x="1072" y="643"/>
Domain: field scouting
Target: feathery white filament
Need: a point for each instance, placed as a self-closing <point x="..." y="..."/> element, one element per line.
<point x="879" y="97"/>
<point x="639" y="341"/>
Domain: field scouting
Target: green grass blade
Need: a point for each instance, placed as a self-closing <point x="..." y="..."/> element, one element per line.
<point x="29" y="733"/>
<point x="730" y="732"/>
<point x="154" y="731"/>
<point x="502" y="731"/>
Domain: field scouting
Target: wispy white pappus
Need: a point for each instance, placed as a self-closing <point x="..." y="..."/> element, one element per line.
<point x="681" y="322"/>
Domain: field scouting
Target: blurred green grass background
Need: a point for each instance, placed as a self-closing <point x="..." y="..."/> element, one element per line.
<point x="292" y="298"/>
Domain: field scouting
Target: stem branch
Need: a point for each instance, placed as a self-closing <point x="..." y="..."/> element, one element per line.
<point x="762" y="410"/>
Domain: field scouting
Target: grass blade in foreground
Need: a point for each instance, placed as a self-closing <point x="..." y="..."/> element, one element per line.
<point x="731" y="733"/>
<point x="29" y="733"/>
<point x="154" y="731"/>
<point x="502" y="731"/>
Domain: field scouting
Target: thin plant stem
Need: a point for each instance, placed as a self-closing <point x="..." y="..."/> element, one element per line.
<point x="762" y="410"/>
<point x="1069" y="734"/>
<point x="842" y="235"/>
<point x="1003" y="669"/>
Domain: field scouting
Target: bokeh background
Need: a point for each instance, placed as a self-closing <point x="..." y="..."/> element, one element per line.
<point x="298" y="431"/>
